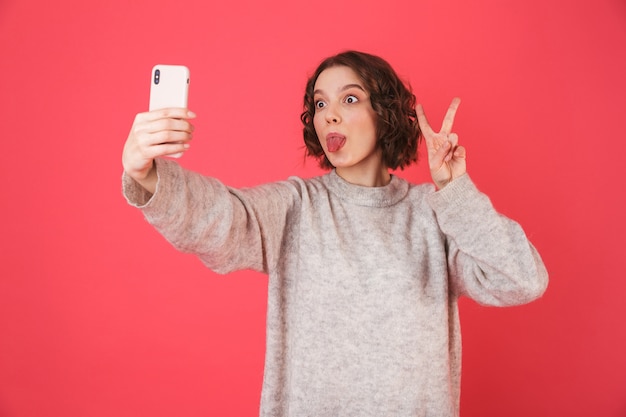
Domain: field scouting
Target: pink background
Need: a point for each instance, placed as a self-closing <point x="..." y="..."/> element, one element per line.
<point x="99" y="316"/>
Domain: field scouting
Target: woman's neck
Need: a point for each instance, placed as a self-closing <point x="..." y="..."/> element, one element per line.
<point x="365" y="177"/>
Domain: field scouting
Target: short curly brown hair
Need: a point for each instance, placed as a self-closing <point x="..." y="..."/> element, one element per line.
<point x="397" y="130"/>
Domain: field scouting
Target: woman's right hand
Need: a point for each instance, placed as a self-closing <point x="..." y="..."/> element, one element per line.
<point x="153" y="134"/>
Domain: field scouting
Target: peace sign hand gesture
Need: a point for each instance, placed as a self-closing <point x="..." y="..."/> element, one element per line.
<point x="445" y="158"/>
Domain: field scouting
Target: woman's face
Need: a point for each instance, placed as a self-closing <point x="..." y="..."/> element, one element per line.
<point x="345" y="122"/>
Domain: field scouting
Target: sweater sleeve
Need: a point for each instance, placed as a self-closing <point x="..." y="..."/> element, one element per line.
<point x="489" y="256"/>
<point x="228" y="229"/>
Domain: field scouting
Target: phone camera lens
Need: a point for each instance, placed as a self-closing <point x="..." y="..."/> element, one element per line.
<point x="157" y="76"/>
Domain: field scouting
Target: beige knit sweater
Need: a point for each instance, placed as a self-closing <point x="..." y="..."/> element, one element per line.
<point x="362" y="313"/>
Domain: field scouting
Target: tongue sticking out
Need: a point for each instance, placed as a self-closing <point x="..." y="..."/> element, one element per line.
<point x="334" y="143"/>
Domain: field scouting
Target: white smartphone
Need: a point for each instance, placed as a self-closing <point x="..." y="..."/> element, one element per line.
<point x="169" y="86"/>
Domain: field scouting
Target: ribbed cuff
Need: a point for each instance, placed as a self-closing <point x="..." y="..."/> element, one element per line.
<point x="459" y="190"/>
<point x="138" y="196"/>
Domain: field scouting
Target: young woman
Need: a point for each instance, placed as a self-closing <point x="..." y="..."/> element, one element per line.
<point x="365" y="269"/>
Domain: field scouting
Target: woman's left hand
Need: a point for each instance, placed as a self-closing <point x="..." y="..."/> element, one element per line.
<point x="445" y="157"/>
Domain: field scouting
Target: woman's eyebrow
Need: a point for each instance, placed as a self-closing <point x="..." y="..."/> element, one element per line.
<point x="344" y="88"/>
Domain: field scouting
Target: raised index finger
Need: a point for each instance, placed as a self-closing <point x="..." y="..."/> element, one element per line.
<point x="422" y="121"/>
<point x="448" y="120"/>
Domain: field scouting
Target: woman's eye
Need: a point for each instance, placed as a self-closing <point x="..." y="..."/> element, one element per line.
<point x="351" y="99"/>
<point x="319" y="104"/>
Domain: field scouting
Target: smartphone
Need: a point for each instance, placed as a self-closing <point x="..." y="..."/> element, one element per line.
<point x="169" y="86"/>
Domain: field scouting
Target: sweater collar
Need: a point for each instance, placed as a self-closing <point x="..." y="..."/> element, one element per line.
<point x="384" y="196"/>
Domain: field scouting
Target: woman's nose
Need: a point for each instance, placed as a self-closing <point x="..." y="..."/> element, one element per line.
<point x="332" y="115"/>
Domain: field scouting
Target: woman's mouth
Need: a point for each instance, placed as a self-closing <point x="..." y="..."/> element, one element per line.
<point x="335" y="141"/>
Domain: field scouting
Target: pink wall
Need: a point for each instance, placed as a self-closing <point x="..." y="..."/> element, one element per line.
<point x="99" y="316"/>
